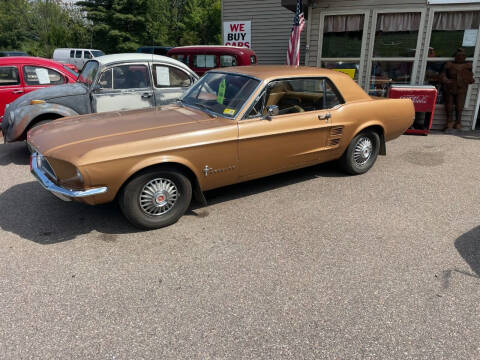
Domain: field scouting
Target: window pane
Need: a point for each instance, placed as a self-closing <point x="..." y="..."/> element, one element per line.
<point x="385" y="73"/>
<point x="41" y="76"/>
<point x="445" y="43"/>
<point x="88" y="55"/>
<point x="183" y="58"/>
<point x="300" y="95"/>
<point x="72" y="53"/>
<point x="166" y="76"/>
<point x="131" y="77"/>
<point x="105" y="81"/>
<point x="449" y="31"/>
<point x="349" y="68"/>
<point x="78" y="54"/>
<point x="342" y="36"/>
<point x="204" y="61"/>
<point x="9" y="76"/>
<point x="396" y="35"/>
<point x="227" y="60"/>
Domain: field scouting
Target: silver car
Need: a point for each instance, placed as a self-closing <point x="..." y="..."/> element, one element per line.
<point x="108" y="83"/>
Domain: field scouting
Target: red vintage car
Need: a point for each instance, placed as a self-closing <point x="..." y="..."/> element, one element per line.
<point x="21" y="74"/>
<point x="201" y="58"/>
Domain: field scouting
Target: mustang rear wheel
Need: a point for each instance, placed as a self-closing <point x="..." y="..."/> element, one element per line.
<point x="362" y="153"/>
<point x="156" y="198"/>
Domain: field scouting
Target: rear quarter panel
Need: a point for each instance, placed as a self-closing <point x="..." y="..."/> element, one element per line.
<point x="394" y="116"/>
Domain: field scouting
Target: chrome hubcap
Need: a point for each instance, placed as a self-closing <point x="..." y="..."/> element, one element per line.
<point x="363" y="151"/>
<point x="158" y="196"/>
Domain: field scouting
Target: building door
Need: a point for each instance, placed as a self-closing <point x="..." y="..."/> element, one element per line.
<point x="394" y="49"/>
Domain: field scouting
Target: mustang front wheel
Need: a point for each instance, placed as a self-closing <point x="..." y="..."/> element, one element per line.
<point x="362" y="153"/>
<point x="156" y="198"/>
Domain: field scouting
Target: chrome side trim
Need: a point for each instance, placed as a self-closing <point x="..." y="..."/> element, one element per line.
<point x="57" y="190"/>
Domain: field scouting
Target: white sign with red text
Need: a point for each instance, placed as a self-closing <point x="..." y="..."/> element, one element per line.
<point x="237" y="33"/>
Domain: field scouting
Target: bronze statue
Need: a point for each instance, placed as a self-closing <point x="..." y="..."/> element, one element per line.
<point x="455" y="77"/>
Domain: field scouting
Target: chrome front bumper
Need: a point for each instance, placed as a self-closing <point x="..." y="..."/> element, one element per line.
<point x="60" y="192"/>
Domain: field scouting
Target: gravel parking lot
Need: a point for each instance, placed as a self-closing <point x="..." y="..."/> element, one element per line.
<point x="309" y="264"/>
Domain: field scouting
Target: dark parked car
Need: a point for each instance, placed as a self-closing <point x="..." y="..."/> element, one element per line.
<point x="12" y="53"/>
<point x="201" y="58"/>
<point x="107" y="83"/>
<point x="157" y="50"/>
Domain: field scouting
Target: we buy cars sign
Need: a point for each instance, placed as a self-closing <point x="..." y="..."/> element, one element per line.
<point x="237" y="33"/>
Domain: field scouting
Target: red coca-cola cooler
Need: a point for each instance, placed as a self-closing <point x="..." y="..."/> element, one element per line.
<point x="424" y="99"/>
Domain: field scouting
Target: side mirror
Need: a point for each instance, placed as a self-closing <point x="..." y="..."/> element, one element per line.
<point x="272" y="110"/>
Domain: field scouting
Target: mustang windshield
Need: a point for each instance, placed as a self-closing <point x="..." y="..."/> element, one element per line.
<point x="222" y="94"/>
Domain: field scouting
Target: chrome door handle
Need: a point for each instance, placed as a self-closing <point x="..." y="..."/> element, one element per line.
<point x="146" y="95"/>
<point x="324" y="117"/>
<point x="17" y="91"/>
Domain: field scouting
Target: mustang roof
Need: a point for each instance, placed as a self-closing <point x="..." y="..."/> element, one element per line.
<point x="347" y="87"/>
<point x="266" y="72"/>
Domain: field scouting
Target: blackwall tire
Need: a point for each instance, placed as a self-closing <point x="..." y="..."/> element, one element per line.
<point x="362" y="153"/>
<point x="156" y="198"/>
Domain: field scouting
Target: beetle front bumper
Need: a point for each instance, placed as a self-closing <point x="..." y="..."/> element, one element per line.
<point x="62" y="193"/>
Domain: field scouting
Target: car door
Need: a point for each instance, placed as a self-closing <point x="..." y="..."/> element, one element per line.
<point x="296" y="135"/>
<point x="170" y="82"/>
<point x="10" y="86"/>
<point x="123" y="87"/>
<point x="37" y="77"/>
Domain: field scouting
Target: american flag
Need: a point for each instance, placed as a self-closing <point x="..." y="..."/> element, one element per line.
<point x="293" y="54"/>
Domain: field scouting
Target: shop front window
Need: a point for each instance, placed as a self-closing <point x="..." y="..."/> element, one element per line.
<point x="342" y="43"/>
<point x="451" y="30"/>
<point x="394" y="50"/>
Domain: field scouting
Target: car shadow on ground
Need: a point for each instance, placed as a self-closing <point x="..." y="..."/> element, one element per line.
<point x="15" y="153"/>
<point x="34" y="214"/>
<point x="468" y="246"/>
<point x="253" y="187"/>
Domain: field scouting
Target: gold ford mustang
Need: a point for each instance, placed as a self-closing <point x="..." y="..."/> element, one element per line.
<point x="233" y="125"/>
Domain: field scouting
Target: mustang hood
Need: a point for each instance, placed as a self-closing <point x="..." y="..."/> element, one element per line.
<point x="112" y="133"/>
<point x="49" y="93"/>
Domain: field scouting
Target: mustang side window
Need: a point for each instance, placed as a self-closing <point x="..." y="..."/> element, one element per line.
<point x="301" y="95"/>
<point x="167" y="76"/>
<point x="9" y="76"/>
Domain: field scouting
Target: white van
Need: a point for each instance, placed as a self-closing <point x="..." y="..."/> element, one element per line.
<point x="77" y="57"/>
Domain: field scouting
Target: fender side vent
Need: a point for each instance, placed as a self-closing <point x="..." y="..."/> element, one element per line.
<point x="336" y="131"/>
<point x="333" y="142"/>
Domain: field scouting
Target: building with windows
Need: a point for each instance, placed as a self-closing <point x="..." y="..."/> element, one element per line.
<point x="379" y="43"/>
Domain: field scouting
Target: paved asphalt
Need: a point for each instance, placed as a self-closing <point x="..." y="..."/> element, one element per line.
<point x="306" y="265"/>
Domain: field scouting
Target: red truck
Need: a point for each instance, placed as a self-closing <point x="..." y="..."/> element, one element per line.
<point x="201" y="58"/>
